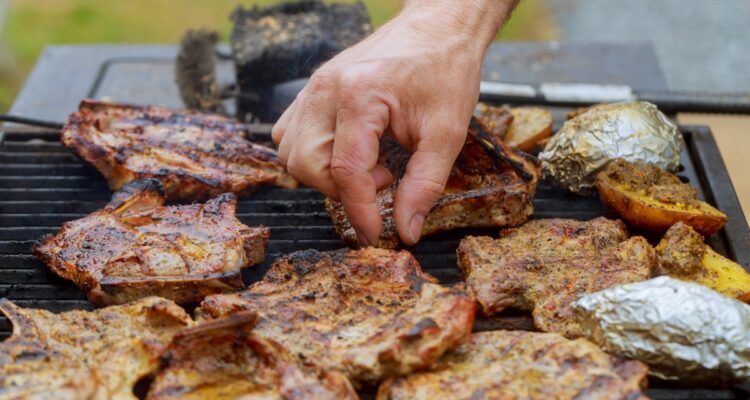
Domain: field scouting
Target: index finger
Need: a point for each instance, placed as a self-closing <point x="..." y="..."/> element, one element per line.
<point x="354" y="165"/>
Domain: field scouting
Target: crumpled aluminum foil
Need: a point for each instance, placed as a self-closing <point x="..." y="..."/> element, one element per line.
<point x="682" y="330"/>
<point x="635" y="131"/>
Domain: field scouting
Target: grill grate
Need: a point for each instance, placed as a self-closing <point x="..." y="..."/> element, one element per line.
<point x="42" y="185"/>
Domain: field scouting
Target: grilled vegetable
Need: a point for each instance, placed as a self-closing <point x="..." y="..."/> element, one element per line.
<point x="530" y="126"/>
<point x="650" y="198"/>
<point x="683" y="255"/>
<point x="519" y="127"/>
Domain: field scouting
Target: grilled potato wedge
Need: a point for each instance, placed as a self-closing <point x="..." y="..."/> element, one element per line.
<point x="530" y="125"/>
<point x="519" y="127"/>
<point x="652" y="199"/>
<point x="725" y="276"/>
<point x="682" y="254"/>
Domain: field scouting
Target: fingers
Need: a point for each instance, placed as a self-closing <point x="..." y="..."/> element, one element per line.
<point x="382" y="176"/>
<point x="423" y="183"/>
<point x="359" y="125"/>
<point x="279" y="128"/>
<point x="305" y="134"/>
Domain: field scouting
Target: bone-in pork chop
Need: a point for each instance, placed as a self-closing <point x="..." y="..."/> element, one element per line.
<point x="544" y="265"/>
<point x="195" y="155"/>
<point x="486" y="188"/>
<point x="222" y="359"/>
<point x="85" y="354"/>
<point x="522" y="365"/>
<point x="369" y="313"/>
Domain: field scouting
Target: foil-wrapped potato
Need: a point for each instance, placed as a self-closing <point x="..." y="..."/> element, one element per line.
<point x="634" y="131"/>
<point x="684" y="331"/>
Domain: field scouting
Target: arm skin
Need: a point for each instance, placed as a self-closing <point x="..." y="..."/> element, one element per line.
<point x="416" y="78"/>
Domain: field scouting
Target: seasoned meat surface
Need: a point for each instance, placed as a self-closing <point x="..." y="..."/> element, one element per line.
<point x="222" y="359"/>
<point x="522" y="365"/>
<point x="483" y="190"/>
<point x="85" y="354"/>
<point x="368" y="313"/>
<point x="544" y="265"/>
<point x="196" y="156"/>
<point x="136" y="247"/>
<point x="652" y="181"/>
<point x="680" y="252"/>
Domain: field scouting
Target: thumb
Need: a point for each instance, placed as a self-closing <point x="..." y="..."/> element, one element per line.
<point x="423" y="183"/>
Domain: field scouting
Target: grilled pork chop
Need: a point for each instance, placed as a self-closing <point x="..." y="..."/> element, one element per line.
<point x="522" y="365"/>
<point x="368" y="313"/>
<point x="485" y="189"/>
<point x="544" y="265"/>
<point x="195" y="155"/>
<point x="222" y="359"/>
<point x="85" y="354"/>
<point x="137" y="247"/>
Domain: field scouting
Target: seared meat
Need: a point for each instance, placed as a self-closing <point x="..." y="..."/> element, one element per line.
<point x="544" y="265"/>
<point x="369" y="313"/>
<point x="680" y="252"/>
<point x="485" y="189"/>
<point x="196" y="156"/>
<point x="222" y="359"/>
<point x="85" y="354"/>
<point x="136" y="247"/>
<point x="522" y="365"/>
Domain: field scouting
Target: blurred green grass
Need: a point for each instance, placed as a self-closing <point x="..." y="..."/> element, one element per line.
<point x="31" y="25"/>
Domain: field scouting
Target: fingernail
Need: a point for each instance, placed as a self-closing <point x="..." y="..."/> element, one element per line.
<point x="362" y="239"/>
<point x="415" y="227"/>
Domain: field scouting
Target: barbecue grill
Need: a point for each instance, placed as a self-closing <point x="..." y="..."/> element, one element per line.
<point x="42" y="185"/>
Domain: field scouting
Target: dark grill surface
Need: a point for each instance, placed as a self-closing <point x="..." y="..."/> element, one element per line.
<point x="42" y="185"/>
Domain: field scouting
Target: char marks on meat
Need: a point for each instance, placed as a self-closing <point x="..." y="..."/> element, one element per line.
<point x="85" y="354"/>
<point x="544" y="265"/>
<point x="369" y="313"/>
<point x="222" y="359"/>
<point x="195" y="155"/>
<point x="485" y="189"/>
<point x="522" y="365"/>
<point x="136" y="247"/>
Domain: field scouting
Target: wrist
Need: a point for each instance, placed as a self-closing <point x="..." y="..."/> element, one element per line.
<point x="473" y="23"/>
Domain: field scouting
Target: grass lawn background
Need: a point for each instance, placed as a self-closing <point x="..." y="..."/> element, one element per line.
<point x="32" y="24"/>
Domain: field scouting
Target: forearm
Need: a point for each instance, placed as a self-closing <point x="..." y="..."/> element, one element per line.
<point x="475" y="22"/>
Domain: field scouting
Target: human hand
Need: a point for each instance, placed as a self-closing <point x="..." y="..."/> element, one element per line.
<point x="417" y="79"/>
